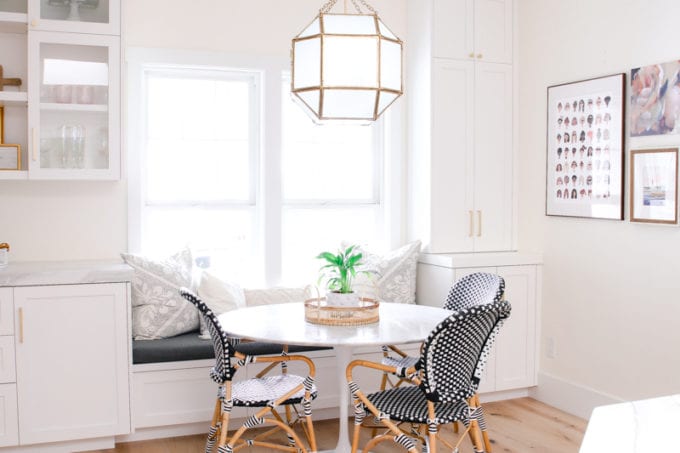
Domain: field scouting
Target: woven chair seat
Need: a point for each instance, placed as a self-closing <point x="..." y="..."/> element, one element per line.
<point x="400" y="362"/>
<point x="408" y="404"/>
<point x="259" y="392"/>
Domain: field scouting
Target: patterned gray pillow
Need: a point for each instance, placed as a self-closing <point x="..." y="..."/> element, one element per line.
<point x="158" y="311"/>
<point x="393" y="275"/>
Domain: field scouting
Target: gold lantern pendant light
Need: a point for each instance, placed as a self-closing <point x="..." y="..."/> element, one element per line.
<point x="346" y="66"/>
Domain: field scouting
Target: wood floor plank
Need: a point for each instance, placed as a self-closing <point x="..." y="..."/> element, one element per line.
<point x="521" y="425"/>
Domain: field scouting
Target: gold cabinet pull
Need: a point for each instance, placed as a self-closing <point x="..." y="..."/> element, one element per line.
<point x="472" y="224"/>
<point x="479" y="223"/>
<point x="479" y="55"/>
<point x="21" y="325"/>
<point x="471" y="55"/>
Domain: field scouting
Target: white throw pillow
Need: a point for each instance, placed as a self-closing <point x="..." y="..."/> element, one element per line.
<point x="158" y="311"/>
<point x="220" y="296"/>
<point x="392" y="277"/>
<point x="255" y="297"/>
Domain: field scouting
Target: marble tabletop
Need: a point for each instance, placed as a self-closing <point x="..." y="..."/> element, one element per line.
<point x="634" y="427"/>
<point x="34" y="273"/>
<point x="285" y="323"/>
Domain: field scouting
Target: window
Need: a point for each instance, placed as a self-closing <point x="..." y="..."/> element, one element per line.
<point x="331" y="178"/>
<point x="200" y="148"/>
<point x="223" y="160"/>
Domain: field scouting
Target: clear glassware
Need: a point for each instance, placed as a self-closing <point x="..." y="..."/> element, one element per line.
<point x="73" y="141"/>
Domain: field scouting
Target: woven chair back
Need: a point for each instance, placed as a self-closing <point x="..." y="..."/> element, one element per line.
<point x="454" y="352"/>
<point x="475" y="289"/>
<point x="223" y="370"/>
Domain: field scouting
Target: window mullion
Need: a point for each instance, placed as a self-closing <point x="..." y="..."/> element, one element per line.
<point x="271" y="178"/>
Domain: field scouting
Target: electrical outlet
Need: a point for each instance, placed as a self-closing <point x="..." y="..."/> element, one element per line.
<point x="551" y="348"/>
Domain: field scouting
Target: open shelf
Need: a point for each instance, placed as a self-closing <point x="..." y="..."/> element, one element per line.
<point x="74" y="107"/>
<point x="13" y="22"/>
<point x="15" y="175"/>
<point x="13" y="98"/>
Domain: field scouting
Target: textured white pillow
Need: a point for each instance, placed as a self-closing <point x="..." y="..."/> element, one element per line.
<point x="220" y="296"/>
<point x="255" y="297"/>
<point x="393" y="275"/>
<point x="158" y="311"/>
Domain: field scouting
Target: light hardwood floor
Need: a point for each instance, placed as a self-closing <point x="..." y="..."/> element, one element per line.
<point x="515" y="426"/>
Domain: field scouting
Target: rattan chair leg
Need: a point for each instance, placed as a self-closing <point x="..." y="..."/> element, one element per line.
<point x="224" y="425"/>
<point x="214" y="430"/>
<point x="476" y="439"/>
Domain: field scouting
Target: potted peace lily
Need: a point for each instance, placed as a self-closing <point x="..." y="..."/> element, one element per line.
<point x="339" y="272"/>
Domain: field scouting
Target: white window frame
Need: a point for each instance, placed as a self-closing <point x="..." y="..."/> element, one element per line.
<point x="268" y="199"/>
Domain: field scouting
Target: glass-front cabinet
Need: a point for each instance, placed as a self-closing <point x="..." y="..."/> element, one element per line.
<point x="73" y="106"/>
<point x="80" y="16"/>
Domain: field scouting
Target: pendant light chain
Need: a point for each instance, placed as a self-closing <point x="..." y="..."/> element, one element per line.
<point x="328" y="6"/>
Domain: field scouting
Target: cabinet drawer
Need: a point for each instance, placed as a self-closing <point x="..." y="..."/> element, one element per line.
<point x="7" y="367"/>
<point x="6" y="312"/>
<point x="9" y="428"/>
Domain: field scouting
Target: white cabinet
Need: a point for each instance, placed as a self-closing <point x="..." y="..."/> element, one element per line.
<point x="73" y="106"/>
<point x="66" y="114"/>
<point x="473" y="29"/>
<point x="9" y="434"/>
<point x="72" y="362"/>
<point x="513" y="363"/>
<point x="76" y="16"/>
<point x="471" y="175"/>
<point x="461" y="120"/>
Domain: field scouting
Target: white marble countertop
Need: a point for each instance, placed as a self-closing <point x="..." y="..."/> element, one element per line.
<point x="35" y="273"/>
<point x="456" y="260"/>
<point x="634" y="427"/>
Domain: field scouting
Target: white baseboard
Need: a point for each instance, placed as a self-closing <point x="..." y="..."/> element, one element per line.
<point x="504" y="395"/>
<point x="103" y="443"/>
<point x="570" y="397"/>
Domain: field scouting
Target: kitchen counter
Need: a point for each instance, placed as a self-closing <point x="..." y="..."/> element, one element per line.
<point x="35" y="273"/>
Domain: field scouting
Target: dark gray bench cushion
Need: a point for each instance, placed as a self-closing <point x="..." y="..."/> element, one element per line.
<point x="189" y="347"/>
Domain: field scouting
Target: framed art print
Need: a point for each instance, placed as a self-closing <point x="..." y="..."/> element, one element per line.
<point x="585" y="148"/>
<point x="654" y="185"/>
<point x="654" y="99"/>
<point x="10" y="157"/>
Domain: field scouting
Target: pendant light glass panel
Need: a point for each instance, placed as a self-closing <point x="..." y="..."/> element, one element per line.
<point x="349" y="104"/>
<point x="390" y="65"/>
<point x="349" y="24"/>
<point x="306" y="67"/>
<point x="342" y="55"/>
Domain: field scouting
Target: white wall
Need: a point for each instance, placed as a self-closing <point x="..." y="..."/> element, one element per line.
<point x="85" y="220"/>
<point x="610" y="298"/>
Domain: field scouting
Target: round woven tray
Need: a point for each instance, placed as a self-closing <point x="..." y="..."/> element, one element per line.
<point x="317" y="311"/>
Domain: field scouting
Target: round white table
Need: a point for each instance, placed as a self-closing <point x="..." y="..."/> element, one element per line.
<point x="285" y="323"/>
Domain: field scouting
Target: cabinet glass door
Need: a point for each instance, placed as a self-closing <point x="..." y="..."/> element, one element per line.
<point x="74" y="106"/>
<point x="82" y="16"/>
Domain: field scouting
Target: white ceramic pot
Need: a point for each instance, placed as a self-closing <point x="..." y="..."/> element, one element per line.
<point x="4" y="257"/>
<point x="342" y="299"/>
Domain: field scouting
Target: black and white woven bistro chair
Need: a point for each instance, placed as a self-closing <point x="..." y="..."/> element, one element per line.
<point x="445" y="377"/>
<point x="265" y="391"/>
<point x="479" y="288"/>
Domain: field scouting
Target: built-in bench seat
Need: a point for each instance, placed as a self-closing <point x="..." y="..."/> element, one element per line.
<point x="190" y="347"/>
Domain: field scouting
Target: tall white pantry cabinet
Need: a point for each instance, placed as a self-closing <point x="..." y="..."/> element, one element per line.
<point x="462" y="145"/>
<point x="461" y="125"/>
